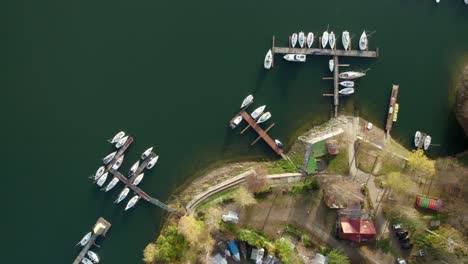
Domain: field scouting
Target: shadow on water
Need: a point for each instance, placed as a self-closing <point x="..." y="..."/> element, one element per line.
<point x="262" y="73"/>
<point x="228" y="137"/>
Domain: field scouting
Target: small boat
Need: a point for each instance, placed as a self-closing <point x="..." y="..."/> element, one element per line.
<point x="427" y="142"/>
<point x="134" y="168"/>
<point x="152" y="162"/>
<point x="234" y="250"/>
<point x="146" y="153"/>
<point x="97" y="178"/>
<point x="346" y="91"/>
<point x="117" y="137"/>
<point x="109" y="157"/>
<point x="93" y="256"/>
<point x="102" y="180"/>
<point x="122" y="195"/>
<point x="331" y="64"/>
<point x="295" y="57"/>
<point x="332" y="40"/>
<point x="349" y="84"/>
<point x="264" y="117"/>
<point x="417" y="138"/>
<point x="350" y="75"/>
<point x="310" y="39"/>
<point x="363" y="41"/>
<point x="86" y="261"/>
<point x="132" y="202"/>
<point x="278" y="143"/>
<point x="301" y="39"/>
<point x="268" y="60"/>
<point x="138" y="179"/>
<point x="257" y="112"/>
<point x="112" y="184"/>
<point x="121" y="142"/>
<point x="324" y="39"/>
<point x="84" y="240"/>
<point x="345" y="39"/>
<point x="293" y="40"/>
<point x="236" y="121"/>
<point x="247" y="101"/>
<point x="118" y="163"/>
<point x="99" y="172"/>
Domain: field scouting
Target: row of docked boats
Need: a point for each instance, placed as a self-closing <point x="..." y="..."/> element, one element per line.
<point x="327" y="39"/>
<point x="422" y="140"/>
<point x="91" y="256"/>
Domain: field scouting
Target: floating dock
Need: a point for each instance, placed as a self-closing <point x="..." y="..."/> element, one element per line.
<point x="391" y="109"/>
<point x="100" y="229"/>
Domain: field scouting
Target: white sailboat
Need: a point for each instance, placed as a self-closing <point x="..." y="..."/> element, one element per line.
<point x="102" y="180"/>
<point x="332" y="40"/>
<point x="132" y="202"/>
<point x="109" y="157"/>
<point x="349" y="84"/>
<point x="134" y="167"/>
<point x="118" y="163"/>
<point x="152" y="162"/>
<point x="138" y="179"/>
<point x="146" y="153"/>
<point x="236" y="121"/>
<point x="363" y="44"/>
<point x="345" y="39"/>
<point x="121" y="142"/>
<point x="103" y="175"/>
<point x="257" y="112"/>
<point x="417" y="138"/>
<point x="86" y="261"/>
<point x="324" y="39"/>
<point x="122" y="195"/>
<point x="346" y="91"/>
<point x="117" y="137"/>
<point x="351" y="75"/>
<point x="93" y="256"/>
<point x="310" y="39"/>
<point x="331" y="64"/>
<point x="100" y="171"/>
<point x="301" y="39"/>
<point x="427" y="142"/>
<point x="247" y="101"/>
<point x="264" y="117"/>
<point x="268" y="60"/>
<point x="112" y="184"/>
<point x="295" y="57"/>
<point x="84" y="240"/>
<point x="294" y="40"/>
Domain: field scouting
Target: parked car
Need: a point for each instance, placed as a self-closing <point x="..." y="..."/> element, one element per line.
<point x="406" y="246"/>
<point x="401" y="234"/>
<point x="400" y="261"/>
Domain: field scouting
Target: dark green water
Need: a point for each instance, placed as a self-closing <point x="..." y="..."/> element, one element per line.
<point x="172" y="74"/>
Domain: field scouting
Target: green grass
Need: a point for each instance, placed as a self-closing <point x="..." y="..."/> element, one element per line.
<point x="339" y="163"/>
<point x="386" y="246"/>
<point x="304" y="187"/>
<point x="284" y="166"/>
<point x="218" y="198"/>
<point x="389" y="165"/>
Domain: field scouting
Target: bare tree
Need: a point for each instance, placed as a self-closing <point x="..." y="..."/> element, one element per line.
<point x="256" y="183"/>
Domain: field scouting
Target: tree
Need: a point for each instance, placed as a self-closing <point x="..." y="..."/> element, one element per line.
<point x="149" y="253"/>
<point x="170" y="246"/>
<point x="256" y="182"/>
<point x="243" y="197"/>
<point x="285" y="251"/>
<point x="444" y="240"/>
<point x="396" y="182"/>
<point x="196" y="233"/>
<point x="212" y="218"/>
<point x="419" y="164"/>
<point x="336" y="256"/>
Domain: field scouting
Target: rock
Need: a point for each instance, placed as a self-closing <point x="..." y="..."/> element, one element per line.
<point x="461" y="105"/>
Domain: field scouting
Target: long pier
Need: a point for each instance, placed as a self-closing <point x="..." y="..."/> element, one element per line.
<point x="391" y="109"/>
<point x="100" y="229"/>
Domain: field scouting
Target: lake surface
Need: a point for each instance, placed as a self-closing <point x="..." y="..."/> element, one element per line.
<point x="172" y="74"/>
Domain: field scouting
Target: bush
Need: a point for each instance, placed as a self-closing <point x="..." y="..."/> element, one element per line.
<point x="284" y="251"/>
<point x="336" y="256"/>
<point x="307" y="186"/>
<point x="170" y="246"/>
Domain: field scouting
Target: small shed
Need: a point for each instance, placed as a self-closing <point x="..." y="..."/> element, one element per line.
<point x="356" y="229"/>
<point x="231" y="216"/>
<point x="433" y="204"/>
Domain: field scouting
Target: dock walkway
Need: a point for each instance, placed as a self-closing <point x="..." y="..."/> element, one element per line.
<point x="391" y="109"/>
<point x="100" y="229"/>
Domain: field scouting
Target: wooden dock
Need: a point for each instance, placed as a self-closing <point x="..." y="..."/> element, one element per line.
<point x="391" y="109"/>
<point x="100" y="229"/>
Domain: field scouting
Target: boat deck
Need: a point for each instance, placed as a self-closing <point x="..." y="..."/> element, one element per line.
<point x="391" y="109"/>
<point x="94" y="236"/>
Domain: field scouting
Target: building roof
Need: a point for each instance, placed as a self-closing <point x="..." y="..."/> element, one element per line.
<point x="357" y="226"/>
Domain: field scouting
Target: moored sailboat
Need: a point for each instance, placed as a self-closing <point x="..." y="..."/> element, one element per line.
<point x="349" y="84"/>
<point x="102" y="180"/>
<point x="118" y="163"/>
<point x="310" y="39"/>
<point x="332" y="40"/>
<point x="427" y="142"/>
<point x="121" y="142"/>
<point x="85" y="239"/>
<point x="346" y="91"/>
<point x="268" y="60"/>
<point x="93" y="256"/>
<point x="301" y="39"/>
<point x="324" y="39"/>
<point x="152" y="162"/>
<point x="122" y="195"/>
<point x="294" y="40"/>
<point x="345" y="39"/>
<point x="331" y="64"/>
<point x="351" y="75"/>
<point x="146" y="153"/>
<point x="111" y="184"/>
<point x="134" y="168"/>
<point x="247" y="101"/>
<point x="109" y="157"/>
<point x="138" y="179"/>
<point x="257" y="112"/>
<point x="264" y="117"/>
<point x="117" y="137"/>
<point x="132" y="202"/>
<point x="363" y="42"/>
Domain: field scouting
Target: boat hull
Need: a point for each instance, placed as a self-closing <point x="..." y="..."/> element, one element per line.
<point x="268" y="60"/>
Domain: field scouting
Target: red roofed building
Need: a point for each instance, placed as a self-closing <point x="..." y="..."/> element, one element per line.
<point x="356" y="229"/>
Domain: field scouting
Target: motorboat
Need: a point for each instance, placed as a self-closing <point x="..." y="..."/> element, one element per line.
<point x="138" y="179"/>
<point x="332" y="40"/>
<point x="257" y="112"/>
<point x="310" y="39"/>
<point x="152" y="162"/>
<point x="132" y="202"/>
<point x="86" y="261"/>
<point x="349" y="84"/>
<point x="295" y="57"/>
<point x="294" y="40"/>
<point x="118" y="163"/>
<point x="109" y="157"/>
<point x="117" y="137"/>
<point x="350" y="75"/>
<point x="278" y="143"/>
<point x="345" y="39"/>
<point x="264" y="117"/>
<point x="121" y="142"/>
<point x="236" y="121"/>
<point x="417" y="138"/>
<point x="331" y="64"/>
<point x="84" y="240"/>
<point x="234" y="250"/>
<point x="100" y="171"/>
<point x="363" y="41"/>
<point x="427" y="142"/>
<point x="301" y="39"/>
<point x="146" y="153"/>
<point x="112" y="184"/>
<point x="93" y="256"/>
<point x="324" y="39"/>
<point x="101" y="180"/>
<point x="268" y="60"/>
<point x="346" y="91"/>
<point x="134" y="168"/>
<point x="248" y="100"/>
<point x="122" y="195"/>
